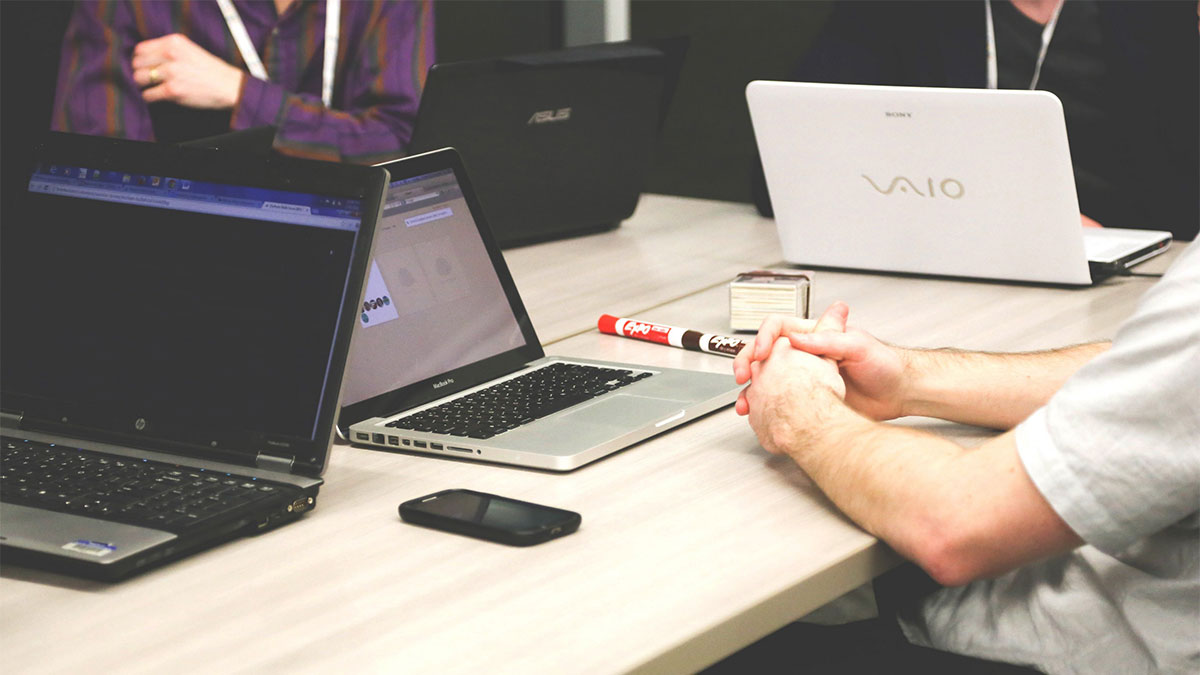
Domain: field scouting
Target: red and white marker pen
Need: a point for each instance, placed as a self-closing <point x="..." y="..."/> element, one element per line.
<point x="670" y="335"/>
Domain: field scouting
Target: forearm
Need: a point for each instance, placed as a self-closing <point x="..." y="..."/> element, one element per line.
<point x="306" y="128"/>
<point x="880" y="476"/>
<point x="960" y="514"/>
<point x="990" y="390"/>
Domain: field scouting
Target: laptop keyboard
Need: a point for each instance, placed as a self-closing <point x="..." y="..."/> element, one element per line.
<point x="509" y="404"/>
<point x="113" y="487"/>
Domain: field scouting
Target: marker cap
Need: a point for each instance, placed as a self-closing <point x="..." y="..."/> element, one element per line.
<point x="607" y="323"/>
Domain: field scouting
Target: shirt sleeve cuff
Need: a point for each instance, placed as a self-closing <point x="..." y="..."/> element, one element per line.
<point x="260" y="104"/>
<point x="1061" y="486"/>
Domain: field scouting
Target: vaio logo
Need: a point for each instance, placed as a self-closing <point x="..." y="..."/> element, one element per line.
<point x="949" y="187"/>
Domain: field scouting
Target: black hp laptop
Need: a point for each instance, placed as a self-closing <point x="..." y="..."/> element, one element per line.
<point x="175" y="327"/>
<point x="446" y="361"/>
<point x="559" y="142"/>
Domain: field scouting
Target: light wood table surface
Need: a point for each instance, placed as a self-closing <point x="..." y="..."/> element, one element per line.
<point x="671" y="247"/>
<point x="693" y="544"/>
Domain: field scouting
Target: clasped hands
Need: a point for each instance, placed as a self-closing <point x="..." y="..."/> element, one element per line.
<point x="173" y="68"/>
<point x="799" y="370"/>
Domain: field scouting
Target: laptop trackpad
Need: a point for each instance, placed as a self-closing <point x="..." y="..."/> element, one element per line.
<point x="604" y="421"/>
<point x="626" y="411"/>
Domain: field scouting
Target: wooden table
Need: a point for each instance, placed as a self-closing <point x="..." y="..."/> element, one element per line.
<point x="693" y="544"/>
<point x="672" y="247"/>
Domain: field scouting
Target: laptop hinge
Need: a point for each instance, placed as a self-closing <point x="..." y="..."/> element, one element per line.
<point x="274" y="463"/>
<point x="10" y="420"/>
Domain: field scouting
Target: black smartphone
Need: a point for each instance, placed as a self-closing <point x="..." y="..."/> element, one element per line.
<point x="492" y="517"/>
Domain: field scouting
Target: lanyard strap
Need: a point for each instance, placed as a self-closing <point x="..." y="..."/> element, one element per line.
<point x="333" y="19"/>
<point x="1047" y="33"/>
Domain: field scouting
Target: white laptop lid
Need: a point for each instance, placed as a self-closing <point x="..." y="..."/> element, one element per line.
<point x="957" y="182"/>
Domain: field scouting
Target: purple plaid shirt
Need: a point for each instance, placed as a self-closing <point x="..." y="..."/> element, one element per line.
<point x="383" y="53"/>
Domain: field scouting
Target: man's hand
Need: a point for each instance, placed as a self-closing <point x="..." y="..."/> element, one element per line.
<point x="773" y="328"/>
<point x="876" y="374"/>
<point x="173" y="68"/>
<point x="789" y="397"/>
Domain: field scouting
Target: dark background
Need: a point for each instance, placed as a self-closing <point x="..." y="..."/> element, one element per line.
<point x="707" y="144"/>
<point x="30" y="38"/>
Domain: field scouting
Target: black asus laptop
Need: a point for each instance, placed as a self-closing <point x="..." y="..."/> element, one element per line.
<point x="446" y="361"/>
<point x="560" y="142"/>
<point x="175" y="324"/>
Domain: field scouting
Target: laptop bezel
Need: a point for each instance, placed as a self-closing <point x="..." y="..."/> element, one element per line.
<point x="306" y="457"/>
<point x="423" y="391"/>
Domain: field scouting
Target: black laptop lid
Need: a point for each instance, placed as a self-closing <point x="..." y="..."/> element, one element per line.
<point x="440" y="311"/>
<point x="559" y="143"/>
<point x="186" y="301"/>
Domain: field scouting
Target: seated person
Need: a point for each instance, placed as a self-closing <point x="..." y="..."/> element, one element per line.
<point x="1126" y="72"/>
<point x="1071" y="542"/>
<point x="171" y="72"/>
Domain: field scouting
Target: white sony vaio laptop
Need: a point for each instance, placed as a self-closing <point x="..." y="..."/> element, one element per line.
<point x="445" y="360"/>
<point x="955" y="182"/>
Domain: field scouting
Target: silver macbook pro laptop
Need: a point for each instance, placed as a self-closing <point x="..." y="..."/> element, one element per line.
<point x="955" y="182"/>
<point x="175" y="328"/>
<point x="446" y="362"/>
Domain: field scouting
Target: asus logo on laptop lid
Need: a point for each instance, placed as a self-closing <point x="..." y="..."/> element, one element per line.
<point x="548" y="116"/>
<point x="949" y="187"/>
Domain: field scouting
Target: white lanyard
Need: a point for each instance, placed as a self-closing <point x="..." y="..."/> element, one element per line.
<point x="1047" y="33"/>
<point x="333" y="17"/>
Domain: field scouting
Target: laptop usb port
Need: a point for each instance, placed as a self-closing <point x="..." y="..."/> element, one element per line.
<point x="435" y="446"/>
<point x="359" y="436"/>
<point x="393" y="440"/>
<point x="419" y="444"/>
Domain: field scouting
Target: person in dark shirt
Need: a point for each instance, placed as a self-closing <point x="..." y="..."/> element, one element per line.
<point x="1126" y="72"/>
<point x="179" y="71"/>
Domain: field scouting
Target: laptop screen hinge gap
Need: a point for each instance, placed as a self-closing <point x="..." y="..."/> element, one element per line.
<point x="11" y="420"/>
<point x="274" y="462"/>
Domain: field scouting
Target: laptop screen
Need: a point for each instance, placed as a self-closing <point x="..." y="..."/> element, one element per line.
<point x="434" y="302"/>
<point x="176" y="308"/>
